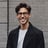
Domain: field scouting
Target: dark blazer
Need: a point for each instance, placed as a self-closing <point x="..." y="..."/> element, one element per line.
<point x="33" y="38"/>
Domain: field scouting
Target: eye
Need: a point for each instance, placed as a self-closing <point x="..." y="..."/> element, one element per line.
<point x="24" y="13"/>
<point x="19" y="13"/>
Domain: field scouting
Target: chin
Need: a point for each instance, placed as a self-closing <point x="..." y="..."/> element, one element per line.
<point x="23" y="23"/>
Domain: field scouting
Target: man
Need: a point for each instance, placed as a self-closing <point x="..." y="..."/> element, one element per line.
<point x="26" y="35"/>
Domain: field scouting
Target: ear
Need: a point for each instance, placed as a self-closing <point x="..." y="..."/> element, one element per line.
<point x="29" y="15"/>
<point x="16" y="16"/>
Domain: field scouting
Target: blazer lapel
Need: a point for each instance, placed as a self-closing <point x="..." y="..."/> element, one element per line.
<point x="28" y="36"/>
<point x="16" y="38"/>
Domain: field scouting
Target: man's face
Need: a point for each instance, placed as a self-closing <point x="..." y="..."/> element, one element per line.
<point x="23" y="16"/>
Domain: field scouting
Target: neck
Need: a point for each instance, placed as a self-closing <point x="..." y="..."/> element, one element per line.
<point x="25" y="26"/>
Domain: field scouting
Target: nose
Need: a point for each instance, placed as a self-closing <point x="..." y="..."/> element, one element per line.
<point x="22" y="15"/>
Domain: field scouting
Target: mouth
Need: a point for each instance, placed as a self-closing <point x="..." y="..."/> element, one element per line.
<point x="22" y="20"/>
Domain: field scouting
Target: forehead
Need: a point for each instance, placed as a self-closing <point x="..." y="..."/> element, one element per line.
<point x="23" y="10"/>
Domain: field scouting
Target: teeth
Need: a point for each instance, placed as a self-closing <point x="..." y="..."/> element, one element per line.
<point x="22" y="19"/>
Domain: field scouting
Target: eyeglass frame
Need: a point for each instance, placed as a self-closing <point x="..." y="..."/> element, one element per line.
<point x="24" y="13"/>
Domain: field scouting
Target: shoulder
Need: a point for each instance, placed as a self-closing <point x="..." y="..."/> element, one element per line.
<point x="12" y="32"/>
<point x="38" y="33"/>
<point x="36" y="30"/>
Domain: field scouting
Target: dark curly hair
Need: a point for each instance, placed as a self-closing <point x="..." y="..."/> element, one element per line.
<point x="21" y="5"/>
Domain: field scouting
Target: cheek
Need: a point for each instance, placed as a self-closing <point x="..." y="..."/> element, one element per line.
<point x="27" y="17"/>
<point x="17" y="17"/>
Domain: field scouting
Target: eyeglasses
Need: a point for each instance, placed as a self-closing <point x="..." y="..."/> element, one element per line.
<point x="24" y="13"/>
